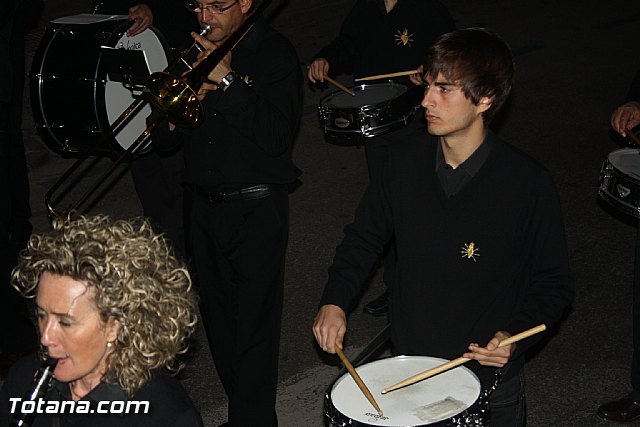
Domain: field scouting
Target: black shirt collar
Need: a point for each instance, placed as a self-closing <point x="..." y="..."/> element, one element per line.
<point x="472" y="165"/>
<point x="453" y="180"/>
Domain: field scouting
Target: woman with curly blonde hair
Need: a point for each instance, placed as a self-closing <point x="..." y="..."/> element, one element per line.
<point x="115" y="308"/>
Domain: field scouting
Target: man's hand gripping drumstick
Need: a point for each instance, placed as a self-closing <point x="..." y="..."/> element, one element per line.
<point x="329" y="328"/>
<point x="491" y="355"/>
<point x="626" y="117"/>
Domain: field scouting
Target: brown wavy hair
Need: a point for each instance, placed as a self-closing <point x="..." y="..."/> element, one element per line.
<point x="136" y="279"/>
<point x="479" y="60"/>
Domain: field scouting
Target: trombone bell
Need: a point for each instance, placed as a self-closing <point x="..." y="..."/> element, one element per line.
<point x="172" y="97"/>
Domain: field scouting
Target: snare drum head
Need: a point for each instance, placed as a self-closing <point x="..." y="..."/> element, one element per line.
<point x="365" y="95"/>
<point x="430" y="401"/>
<point x="626" y="160"/>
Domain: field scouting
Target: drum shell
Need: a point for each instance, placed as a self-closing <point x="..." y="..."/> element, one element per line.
<point x="617" y="186"/>
<point x="67" y="86"/>
<point x="476" y="415"/>
<point x="355" y="124"/>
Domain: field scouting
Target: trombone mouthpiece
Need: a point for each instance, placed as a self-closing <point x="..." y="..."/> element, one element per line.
<point x="205" y="29"/>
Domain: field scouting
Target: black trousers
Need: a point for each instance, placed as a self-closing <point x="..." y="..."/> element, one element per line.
<point x="157" y="178"/>
<point x="238" y="250"/>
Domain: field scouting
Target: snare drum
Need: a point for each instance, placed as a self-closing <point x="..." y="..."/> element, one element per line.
<point x="451" y="398"/>
<point x="371" y="112"/>
<point x="74" y="102"/>
<point x="620" y="180"/>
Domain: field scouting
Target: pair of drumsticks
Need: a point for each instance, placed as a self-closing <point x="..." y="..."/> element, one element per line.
<point x="428" y="373"/>
<point x="379" y="76"/>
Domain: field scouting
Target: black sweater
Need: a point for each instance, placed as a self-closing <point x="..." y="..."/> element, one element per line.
<point x="372" y="41"/>
<point x="448" y="295"/>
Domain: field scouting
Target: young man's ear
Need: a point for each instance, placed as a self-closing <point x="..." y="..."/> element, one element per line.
<point x="485" y="103"/>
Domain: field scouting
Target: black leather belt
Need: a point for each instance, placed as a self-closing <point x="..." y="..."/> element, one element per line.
<point x="248" y="193"/>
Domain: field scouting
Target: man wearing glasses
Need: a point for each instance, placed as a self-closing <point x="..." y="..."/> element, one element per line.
<point x="238" y="167"/>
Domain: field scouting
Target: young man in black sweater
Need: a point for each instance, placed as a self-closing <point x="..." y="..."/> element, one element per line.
<point x="478" y="228"/>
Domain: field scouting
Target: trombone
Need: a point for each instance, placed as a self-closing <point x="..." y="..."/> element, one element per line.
<point x="174" y="97"/>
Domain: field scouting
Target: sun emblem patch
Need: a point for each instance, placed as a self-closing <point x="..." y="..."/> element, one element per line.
<point x="247" y="80"/>
<point x="403" y="38"/>
<point x="470" y="251"/>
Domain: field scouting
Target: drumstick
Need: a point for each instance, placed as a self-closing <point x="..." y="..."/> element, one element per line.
<point x="460" y="360"/>
<point x="384" y="76"/>
<point x="633" y="136"/>
<point x="344" y="88"/>
<point x="358" y="380"/>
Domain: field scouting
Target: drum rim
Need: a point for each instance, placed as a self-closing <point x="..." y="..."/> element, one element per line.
<point x="359" y="88"/>
<point x="618" y="171"/>
<point x="442" y="423"/>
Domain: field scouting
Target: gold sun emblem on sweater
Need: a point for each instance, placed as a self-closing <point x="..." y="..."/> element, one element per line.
<point x="470" y="251"/>
<point x="403" y="38"/>
<point x="247" y="80"/>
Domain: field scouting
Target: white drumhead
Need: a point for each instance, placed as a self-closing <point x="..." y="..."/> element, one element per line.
<point x="365" y="95"/>
<point x="430" y="401"/>
<point x="118" y="98"/>
<point x="626" y="160"/>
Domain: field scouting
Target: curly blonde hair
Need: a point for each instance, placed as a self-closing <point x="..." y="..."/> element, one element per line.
<point x="136" y="279"/>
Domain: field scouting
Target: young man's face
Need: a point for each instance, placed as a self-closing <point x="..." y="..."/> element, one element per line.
<point x="448" y="111"/>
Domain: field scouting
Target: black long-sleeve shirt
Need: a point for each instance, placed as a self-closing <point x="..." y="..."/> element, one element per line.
<point x="247" y="132"/>
<point x="372" y="41"/>
<point x="491" y="257"/>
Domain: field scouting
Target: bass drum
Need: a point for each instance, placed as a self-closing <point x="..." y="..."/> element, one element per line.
<point x="74" y="102"/>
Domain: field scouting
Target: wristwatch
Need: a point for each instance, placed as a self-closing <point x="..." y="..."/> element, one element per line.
<point x="227" y="80"/>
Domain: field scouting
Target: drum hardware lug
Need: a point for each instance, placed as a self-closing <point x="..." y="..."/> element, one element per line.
<point x="622" y="191"/>
<point x="64" y="31"/>
<point x="104" y="36"/>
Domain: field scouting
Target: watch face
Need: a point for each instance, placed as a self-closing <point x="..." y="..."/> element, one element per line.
<point x="228" y="79"/>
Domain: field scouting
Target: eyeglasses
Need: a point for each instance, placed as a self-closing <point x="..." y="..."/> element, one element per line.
<point x="193" y="6"/>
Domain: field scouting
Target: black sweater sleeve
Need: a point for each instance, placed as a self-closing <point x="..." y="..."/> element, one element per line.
<point x="362" y="245"/>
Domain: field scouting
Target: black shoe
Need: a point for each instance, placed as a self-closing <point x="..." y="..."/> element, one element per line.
<point x="379" y="306"/>
<point x="623" y="411"/>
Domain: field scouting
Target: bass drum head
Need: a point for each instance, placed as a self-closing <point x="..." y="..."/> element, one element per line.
<point x="117" y="97"/>
<point x="428" y="402"/>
